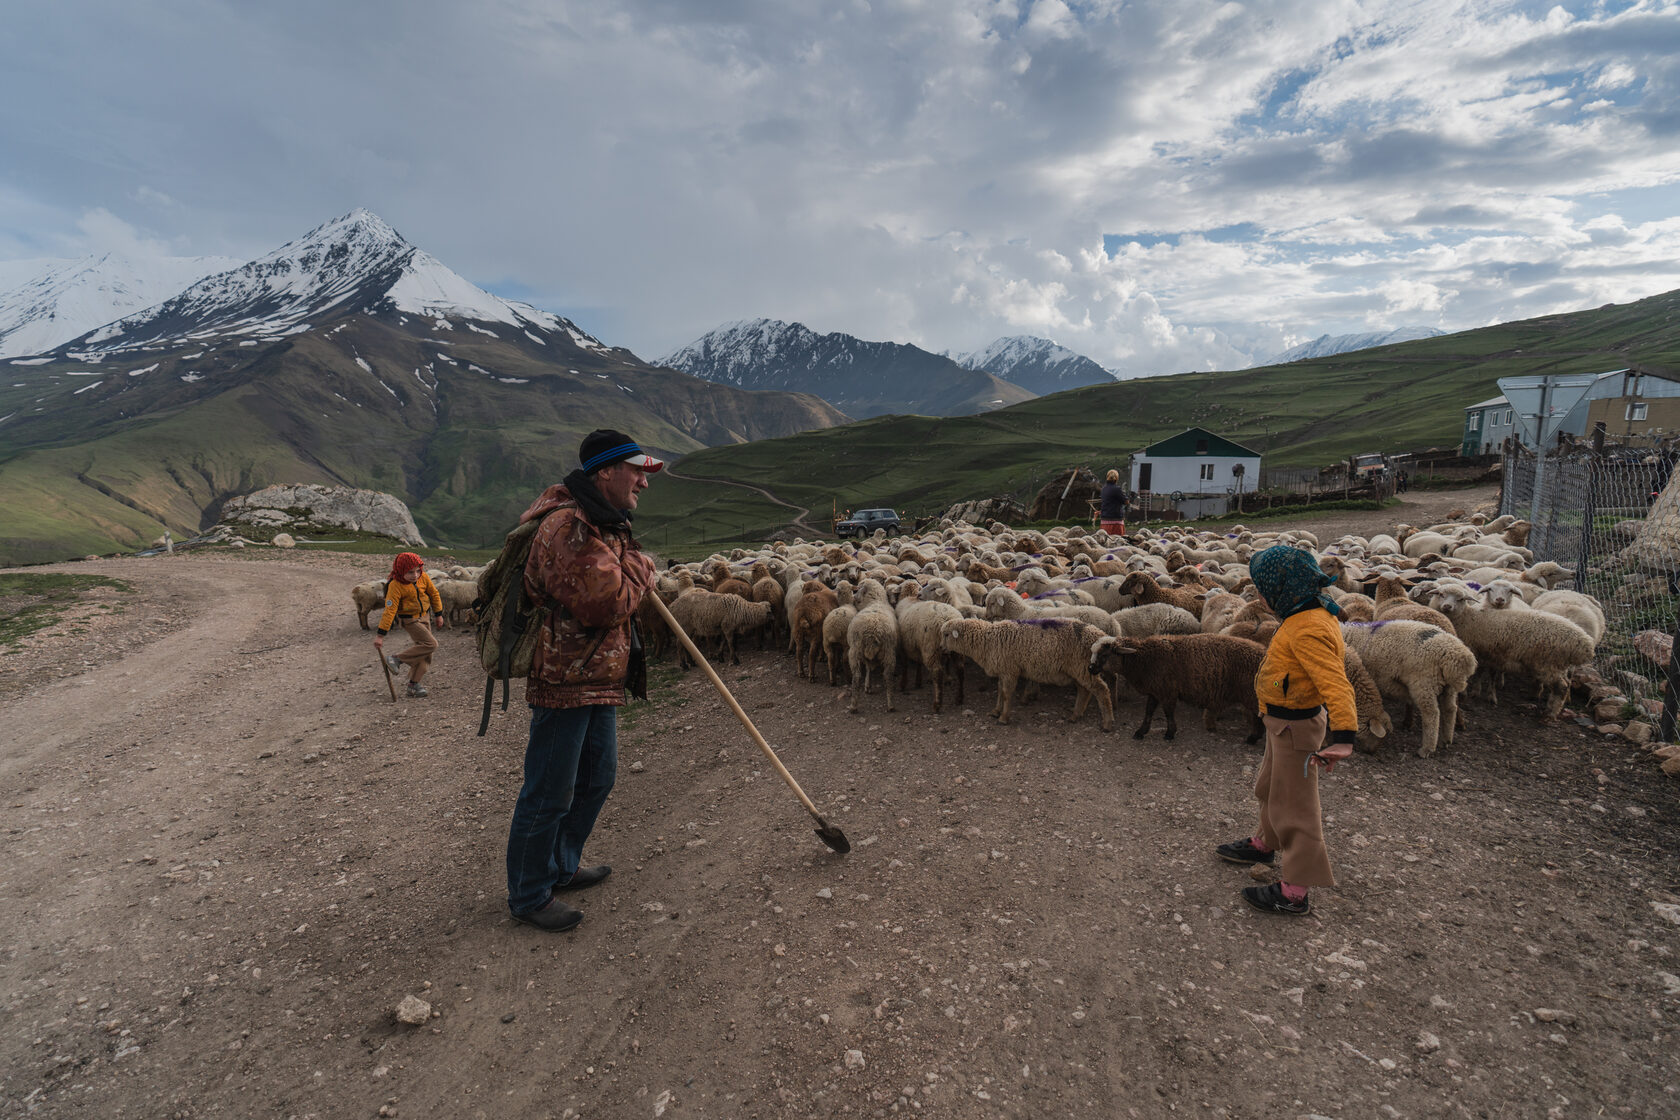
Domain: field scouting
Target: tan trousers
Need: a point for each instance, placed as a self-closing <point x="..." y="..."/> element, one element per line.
<point x="418" y="657"/>
<point x="1291" y="822"/>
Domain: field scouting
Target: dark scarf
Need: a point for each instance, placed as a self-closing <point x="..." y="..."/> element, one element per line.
<point x="1291" y="581"/>
<point x="602" y="515"/>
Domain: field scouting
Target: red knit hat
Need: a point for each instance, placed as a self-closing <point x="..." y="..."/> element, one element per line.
<point x="404" y="563"/>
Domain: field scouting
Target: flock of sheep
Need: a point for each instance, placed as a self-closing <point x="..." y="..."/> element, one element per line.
<point x="1166" y="615"/>
<point x="1169" y="615"/>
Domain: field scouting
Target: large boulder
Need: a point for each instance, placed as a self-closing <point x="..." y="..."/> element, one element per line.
<point x="305" y="507"/>
<point x="983" y="511"/>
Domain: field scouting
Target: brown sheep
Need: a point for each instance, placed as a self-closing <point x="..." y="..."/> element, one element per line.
<point x="1212" y="671"/>
<point x="815" y="601"/>
<point x="1144" y="589"/>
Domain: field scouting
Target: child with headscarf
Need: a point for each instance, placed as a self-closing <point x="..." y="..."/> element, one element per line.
<point x="408" y="592"/>
<point x="1302" y="690"/>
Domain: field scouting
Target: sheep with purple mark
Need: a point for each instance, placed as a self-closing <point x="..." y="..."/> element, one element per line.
<point x="1049" y="651"/>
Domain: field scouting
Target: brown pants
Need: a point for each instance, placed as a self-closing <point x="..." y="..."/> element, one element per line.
<point x="1291" y="822"/>
<point x="418" y="657"/>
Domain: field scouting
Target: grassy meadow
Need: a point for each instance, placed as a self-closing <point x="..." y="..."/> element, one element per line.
<point x="1310" y="413"/>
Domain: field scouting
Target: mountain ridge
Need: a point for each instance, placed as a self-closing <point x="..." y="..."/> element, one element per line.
<point x="65" y="299"/>
<point x="1328" y="345"/>
<point x="861" y="378"/>
<point x="1036" y="364"/>
<point x="346" y="357"/>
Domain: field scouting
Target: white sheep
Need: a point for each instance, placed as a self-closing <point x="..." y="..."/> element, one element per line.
<point x="1419" y="664"/>
<point x="368" y="597"/>
<point x="1581" y="609"/>
<point x="922" y="614"/>
<point x="1003" y="603"/>
<point x="1537" y="643"/>
<point x="872" y="640"/>
<point x="834" y="626"/>
<point x="708" y="614"/>
<point x="1150" y="619"/>
<point x="458" y="596"/>
<point x="1049" y="651"/>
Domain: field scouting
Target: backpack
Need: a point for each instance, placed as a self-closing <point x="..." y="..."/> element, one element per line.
<point x="508" y="626"/>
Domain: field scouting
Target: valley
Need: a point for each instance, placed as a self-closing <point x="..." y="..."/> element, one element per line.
<point x="230" y="857"/>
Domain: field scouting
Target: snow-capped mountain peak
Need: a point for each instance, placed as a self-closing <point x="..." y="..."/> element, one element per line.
<point x="354" y="262"/>
<point x="735" y="352"/>
<point x="64" y="299"/>
<point x="1035" y="363"/>
<point x="1326" y="345"/>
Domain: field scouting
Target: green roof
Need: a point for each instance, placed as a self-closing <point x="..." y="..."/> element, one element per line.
<point x="1184" y="445"/>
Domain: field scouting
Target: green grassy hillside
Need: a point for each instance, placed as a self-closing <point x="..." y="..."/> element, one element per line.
<point x="1309" y="413"/>
<point x="465" y="429"/>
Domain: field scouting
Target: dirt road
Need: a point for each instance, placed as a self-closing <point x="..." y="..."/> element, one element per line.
<point x="229" y="856"/>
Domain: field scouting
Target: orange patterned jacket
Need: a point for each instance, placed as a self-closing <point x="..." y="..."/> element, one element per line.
<point x="599" y="576"/>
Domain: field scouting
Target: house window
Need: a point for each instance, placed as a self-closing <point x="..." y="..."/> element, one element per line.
<point x="1507" y="416"/>
<point x="1635" y="412"/>
<point x="1475" y="422"/>
<point x="1207" y="472"/>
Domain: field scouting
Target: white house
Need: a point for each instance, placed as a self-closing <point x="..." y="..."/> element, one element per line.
<point x="1197" y="469"/>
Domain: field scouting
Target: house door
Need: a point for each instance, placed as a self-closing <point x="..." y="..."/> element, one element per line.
<point x="1146" y="472"/>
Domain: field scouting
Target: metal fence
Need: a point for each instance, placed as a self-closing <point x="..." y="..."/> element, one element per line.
<point x="1609" y="514"/>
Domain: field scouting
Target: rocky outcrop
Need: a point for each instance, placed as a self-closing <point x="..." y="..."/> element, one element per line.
<point x="301" y="508"/>
<point x="983" y="511"/>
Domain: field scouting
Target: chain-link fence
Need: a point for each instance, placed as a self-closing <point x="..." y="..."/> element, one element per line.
<point x="1609" y="515"/>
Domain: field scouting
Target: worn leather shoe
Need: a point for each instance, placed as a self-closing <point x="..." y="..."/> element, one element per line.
<point x="554" y="916"/>
<point x="584" y="877"/>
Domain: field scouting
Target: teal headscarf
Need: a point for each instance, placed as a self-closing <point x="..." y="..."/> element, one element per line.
<point x="1291" y="581"/>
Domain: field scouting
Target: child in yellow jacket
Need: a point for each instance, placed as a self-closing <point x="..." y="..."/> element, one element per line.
<point x="1302" y="690"/>
<point x="408" y="592"/>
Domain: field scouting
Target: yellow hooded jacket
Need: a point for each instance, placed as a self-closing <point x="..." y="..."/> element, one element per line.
<point x="407" y="601"/>
<point x="1304" y="668"/>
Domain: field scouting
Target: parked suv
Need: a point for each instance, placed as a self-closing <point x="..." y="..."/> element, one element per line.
<point x="866" y="521"/>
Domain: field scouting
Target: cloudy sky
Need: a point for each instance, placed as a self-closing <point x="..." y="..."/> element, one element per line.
<point x="1164" y="185"/>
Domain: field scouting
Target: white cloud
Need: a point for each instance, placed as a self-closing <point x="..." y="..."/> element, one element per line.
<point x="938" y="173"/>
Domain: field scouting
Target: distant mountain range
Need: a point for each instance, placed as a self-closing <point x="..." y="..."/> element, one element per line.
<point x="350" y="357"/>
<point x="57" y="300"/>
<point x="862" y="379"/>
<point x="1326" y="345"/>
<point x="1036" y="364"/>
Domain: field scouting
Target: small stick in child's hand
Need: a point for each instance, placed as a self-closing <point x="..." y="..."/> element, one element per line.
<point x="389" y="683"/>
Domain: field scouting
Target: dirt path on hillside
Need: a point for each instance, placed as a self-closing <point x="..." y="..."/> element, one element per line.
<point x="229" y="856"/>
<point x="798" y="521"/>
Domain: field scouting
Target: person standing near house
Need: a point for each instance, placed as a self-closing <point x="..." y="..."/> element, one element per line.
<point x="1112" y="513"/>
<point x="585" y="563"/>
<point x="1303" y="691"/>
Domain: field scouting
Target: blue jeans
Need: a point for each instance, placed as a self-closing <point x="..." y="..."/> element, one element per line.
<point x="571" y="762"/>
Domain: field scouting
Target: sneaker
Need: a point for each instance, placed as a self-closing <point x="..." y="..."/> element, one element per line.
<point x="583" y="877"/>
<point x="417" y="690"/>
<point x="1243" y="851"/>
<point x="393" y="664"/>
<point x="553" y="916"/>
<point x="1269" y="899"/>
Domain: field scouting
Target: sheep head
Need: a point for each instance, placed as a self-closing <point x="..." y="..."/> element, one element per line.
<point x="1454" y="600"/>
<point x="1107" y="653"/>
<point x="1499" y="594"/>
